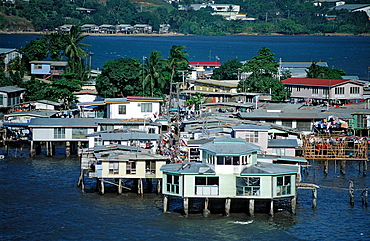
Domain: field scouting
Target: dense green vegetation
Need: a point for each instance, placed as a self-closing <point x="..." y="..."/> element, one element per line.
<point x="283" y="16"/>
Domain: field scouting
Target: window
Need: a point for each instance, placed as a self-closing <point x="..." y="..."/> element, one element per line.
<point x="248" y="186"/>
<point x="172" y="184"/>
<point x="113" y="168"/>
<point x="150" y="167"/>
<point x="278" y="151"/>
<point x="1" y="99"/>
<point x="206" y="186"/>
<point x="298" y="88"/>
<point x="59" y="133"/>
<point x="354" y="90"/>
<point x="37" y="66"/>
<point x="251" y="136"/>
<point x="106" y="127"/>
<point x="131" y="167"/>
<point x="339" y="91"/>
<point x="283" y="186"/>
<point x="315" y="90"/>
<point x="146" y="107"/>
<point x="79" y="133"/>
<point x="122" y="109"/>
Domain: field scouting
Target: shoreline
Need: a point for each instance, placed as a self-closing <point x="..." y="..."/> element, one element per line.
<point x="172" y="34"/>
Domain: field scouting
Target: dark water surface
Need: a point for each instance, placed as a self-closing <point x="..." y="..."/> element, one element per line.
<point x="350" y="53"/>
<point x="40" y="201"/>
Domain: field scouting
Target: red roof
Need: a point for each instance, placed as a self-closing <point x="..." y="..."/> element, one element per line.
<point x="205" y="63"/>
<point x="312" y="81"/>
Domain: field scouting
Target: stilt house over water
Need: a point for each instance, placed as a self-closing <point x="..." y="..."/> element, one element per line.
<point x="229" y="170"/>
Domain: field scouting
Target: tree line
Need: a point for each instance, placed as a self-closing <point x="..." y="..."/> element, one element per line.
<point x="283" y="16"/>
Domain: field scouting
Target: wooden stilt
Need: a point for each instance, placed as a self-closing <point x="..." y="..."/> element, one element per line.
<point x="32" y="150"/>
<point x="251" y="207"/>
<point x="68" y="148"/>
<point x="314" y="198"/>
<point x="365" y="197"/>
<point x="101" y="186"/>
<point x="165" y="203"/>
<point x="343" y="167"/>
<point x="7" y="148"/>
<point x="351" y="196"/>
<point x="149" y="181"/>
<point x="272" y="208"/>
<point x="326" y="167"/>
<point x="186" y="206"/>
<point x="227" y="206"/>
<point x="293" y="203"/>
<point x="140" y="190"/>
<point x="158" y="185"/>
<point x="47" y="149"/>
<point x="365" y="167"/>
<point x="119" y="186"/>
<point x="206" y="210"/>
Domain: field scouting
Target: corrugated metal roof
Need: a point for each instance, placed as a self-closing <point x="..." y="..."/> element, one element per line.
<point x="269" y="169"/>
<point x="6" y="50"/>
<point x="249" y="127"/>
<point x="316" y="82"/>
<point x="189" y="168"/>
<point x="10" y="89"/>
<point x="63" y="122"/>
<point x="282" y="143"/>
<point x="229" y="146"/>
<point x="129" y="136"/>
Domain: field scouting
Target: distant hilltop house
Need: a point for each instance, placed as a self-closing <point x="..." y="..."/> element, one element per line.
<point x="228" y="11"/>
<point x="354" y="8"/>
<point x="329" y="3"/>
<point x="10" y="96"/>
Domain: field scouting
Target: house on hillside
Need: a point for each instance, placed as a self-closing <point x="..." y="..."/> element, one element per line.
<point x="229" y="170"/>
<point x="46" y="69"/>
<point x="354" y="8"/>
<point x="203" y="69"/>
<point x="228" y="11"/>
<point x="7" y="56"/>
<point x="319" y="91"/>
<point x="10" y="96"/>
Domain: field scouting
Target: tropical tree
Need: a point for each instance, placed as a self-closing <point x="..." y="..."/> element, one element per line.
<point x="153" y="77"/>
<point x="37" y="90"/>
<point x="74" y="51"/>
<point x="196" y="100"/>
<point x="120" y="76"/>
<point x="322" y="72"/>
<point x="177" y="61"/>
<point x="63" y="89"/>
<point x="264" y="76"/>
<point x="228" y="71"/>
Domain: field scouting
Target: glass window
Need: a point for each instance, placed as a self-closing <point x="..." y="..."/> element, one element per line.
<point x="1" y="99"/>
<point x="150" y="167"/>
<point x="315" y="90"/>
<point x="122" y="109"/>
<point x="251" y="136"/>
<point x="113" y="168"/>
<point x="283" y="185"/>
<point x="354" y="90"/>
<point x="131" y="167"/>
<point x="59" y="133"/>
<point x="79" y="133"/>
<point x="172" y="184"/>
<point x="339" y="91"/>
<point x="146" y="107"/>
<point x="248" y="186"/>
<point x="37" y="66"/>
<point x="206" y="186"/>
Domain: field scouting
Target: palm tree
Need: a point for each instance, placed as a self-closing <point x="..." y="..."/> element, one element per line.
<point x="176" y="60"/>
<point x="153" y="76"/>
<point x="74" y="49"/>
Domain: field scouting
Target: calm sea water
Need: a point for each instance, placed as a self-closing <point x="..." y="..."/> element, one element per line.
<point x="40" y="201"/>
<point x="350" y="53"/>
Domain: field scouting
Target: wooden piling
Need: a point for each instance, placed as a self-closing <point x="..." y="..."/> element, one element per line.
<point x="343" y="167"/>
<point x="158" y="185"/>
<point x="365" y="168"/>
<point x="293" y="203"/>
<point x="326" y="167"/>
<point x="314" y="198"/>
<point x="365" y="197"/>
<point x="32" y="150"/>
<point x="68" y="148"/>
<point x="80" y="182"/>
<point x="140" y="190"/>
<point x="165" y="203"/>
<point x="101" y="186"/>
<point x="227" y="206"/>
<point x="251" y="207"/>
<point x="206" y="210"/>
<point x="119" y="185"/>
<point x="272" y="208"/>
<point x="351" y="196"/>
<point x="186" y="206"/>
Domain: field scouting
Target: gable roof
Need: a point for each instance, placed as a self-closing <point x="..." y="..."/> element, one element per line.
<point x="316" y="82"/>
<point x="269" y="169"/>
<point x="189" y="168"/>
<point x="11" y="89"/>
